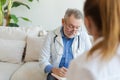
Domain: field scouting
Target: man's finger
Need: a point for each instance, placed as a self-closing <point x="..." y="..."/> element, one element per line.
<point x="65" y="69"/>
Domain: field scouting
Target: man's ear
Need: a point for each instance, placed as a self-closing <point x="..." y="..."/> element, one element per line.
<point x="63" y="21"/>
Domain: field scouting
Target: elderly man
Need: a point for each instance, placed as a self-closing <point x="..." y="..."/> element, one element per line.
<point x="64" y="44"/>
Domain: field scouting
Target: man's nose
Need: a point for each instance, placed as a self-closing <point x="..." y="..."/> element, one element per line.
<point x="75" y="29"/>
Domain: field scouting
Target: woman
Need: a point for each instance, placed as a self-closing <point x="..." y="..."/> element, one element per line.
<point x="102" y="62"/>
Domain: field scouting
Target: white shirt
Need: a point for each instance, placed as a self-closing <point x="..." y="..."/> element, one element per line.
<point x="94" y="69"/>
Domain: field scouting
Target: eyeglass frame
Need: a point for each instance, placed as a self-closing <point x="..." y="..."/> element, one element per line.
<point x="71" y="26"/>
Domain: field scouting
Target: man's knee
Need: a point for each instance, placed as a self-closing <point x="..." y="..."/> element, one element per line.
<point x="50" y="77"/>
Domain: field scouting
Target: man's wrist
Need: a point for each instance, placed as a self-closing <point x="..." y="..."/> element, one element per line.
<point x="48" y="68"/>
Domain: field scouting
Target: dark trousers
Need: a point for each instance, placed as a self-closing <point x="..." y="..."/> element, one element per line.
<point x="50" y="77"/>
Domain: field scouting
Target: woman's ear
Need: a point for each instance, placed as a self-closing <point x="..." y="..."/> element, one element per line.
<point x="88" y="24"/>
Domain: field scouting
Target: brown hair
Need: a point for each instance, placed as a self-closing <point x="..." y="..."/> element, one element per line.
<point x="106" y="16"/>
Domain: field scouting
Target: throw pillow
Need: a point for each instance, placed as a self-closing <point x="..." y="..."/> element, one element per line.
<point x="34" y="45"/>
<point x="11" y="50"/>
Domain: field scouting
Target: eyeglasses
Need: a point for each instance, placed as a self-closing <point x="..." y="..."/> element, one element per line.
<point x="70" y="26"/>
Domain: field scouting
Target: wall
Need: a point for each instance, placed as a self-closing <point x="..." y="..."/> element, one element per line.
<point x="46" y="13"/>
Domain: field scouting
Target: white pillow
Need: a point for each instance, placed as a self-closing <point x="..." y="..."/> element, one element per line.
<point x="34" y="45"/>
<point x="11" y="50"/>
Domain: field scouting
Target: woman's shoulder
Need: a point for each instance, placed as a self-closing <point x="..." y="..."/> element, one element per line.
<point x="96" y="68"/>
<point x="80" y="69"/>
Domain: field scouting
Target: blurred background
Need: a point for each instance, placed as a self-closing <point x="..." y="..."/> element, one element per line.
<point x="46" y="13"/>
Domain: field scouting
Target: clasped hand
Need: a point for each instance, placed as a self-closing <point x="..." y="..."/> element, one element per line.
<point x="60" y="71"/>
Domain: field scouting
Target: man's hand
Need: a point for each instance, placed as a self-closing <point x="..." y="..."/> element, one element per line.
<point x="60" y="71"/>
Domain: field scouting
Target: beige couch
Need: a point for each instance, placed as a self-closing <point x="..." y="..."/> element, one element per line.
<point x="19" y="53"/>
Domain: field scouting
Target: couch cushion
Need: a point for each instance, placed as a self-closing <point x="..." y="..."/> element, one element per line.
<point x="34" y="45"/>
<point x="11" y="50"/>
<point x="29" y="71"/>
<point x="7" y="70"/>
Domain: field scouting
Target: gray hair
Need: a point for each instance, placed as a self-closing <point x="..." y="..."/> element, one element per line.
<point x="77" y="14"/>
